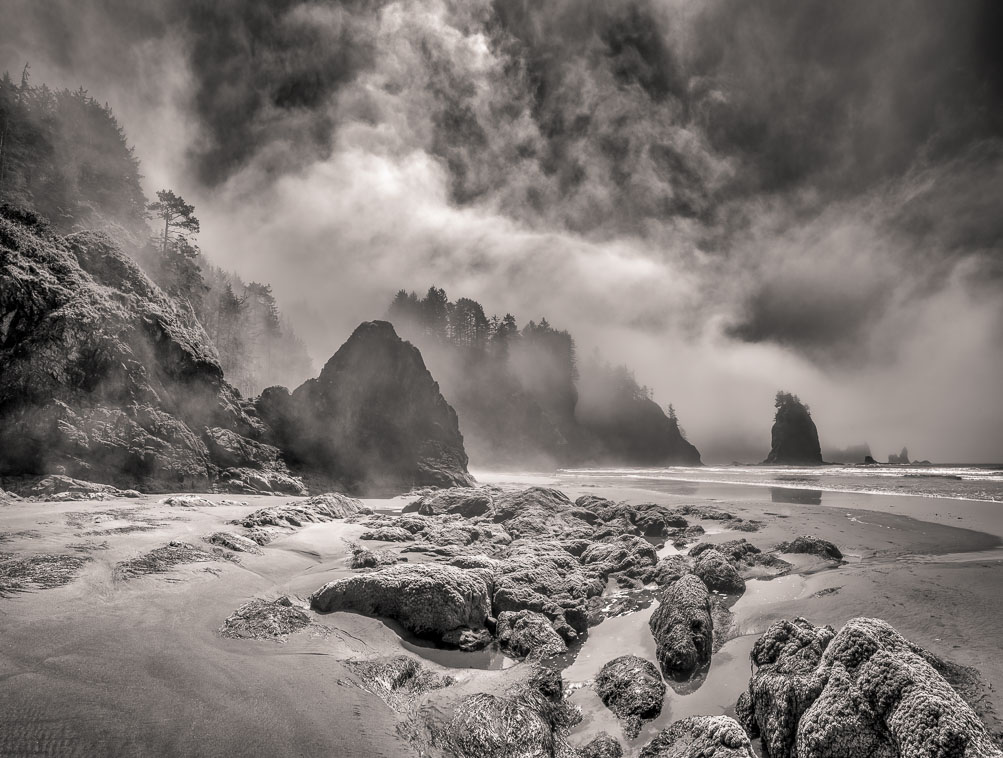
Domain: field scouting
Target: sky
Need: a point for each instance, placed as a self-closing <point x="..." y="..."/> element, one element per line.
<point x="731" y="197"/>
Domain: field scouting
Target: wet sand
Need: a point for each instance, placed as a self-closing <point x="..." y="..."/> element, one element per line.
<point x="103" y="666"/>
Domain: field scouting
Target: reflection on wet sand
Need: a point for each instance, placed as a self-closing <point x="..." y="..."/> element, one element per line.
<point x="795" y="496"/>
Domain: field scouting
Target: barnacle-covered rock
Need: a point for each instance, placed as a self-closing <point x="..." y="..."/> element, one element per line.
<point x="718" y="573"/>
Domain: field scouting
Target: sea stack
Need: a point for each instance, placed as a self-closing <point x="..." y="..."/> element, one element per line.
<point x="374" y="421"/>
<point x="795" y="438"/>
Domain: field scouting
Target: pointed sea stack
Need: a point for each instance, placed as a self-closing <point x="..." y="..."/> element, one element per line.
<point x="795" y="438"/>
<point x="373" y="421"/>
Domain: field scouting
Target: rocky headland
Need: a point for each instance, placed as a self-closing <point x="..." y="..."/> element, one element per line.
<point x="794" y="436"/>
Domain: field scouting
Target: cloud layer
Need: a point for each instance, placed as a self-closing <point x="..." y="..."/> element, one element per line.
<point x="731" y="197"/>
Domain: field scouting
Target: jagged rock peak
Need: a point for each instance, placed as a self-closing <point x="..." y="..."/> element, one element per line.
<point x="372" y="421"/>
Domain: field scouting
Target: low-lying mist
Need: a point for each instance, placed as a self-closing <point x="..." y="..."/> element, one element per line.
<point x="730" y="199"/>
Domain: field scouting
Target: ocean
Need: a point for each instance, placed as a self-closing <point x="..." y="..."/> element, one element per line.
<point x="806" y="484"/>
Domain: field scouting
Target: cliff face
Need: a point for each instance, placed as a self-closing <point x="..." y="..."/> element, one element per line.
<point x="103" y="378"/>
<point x="794" y="436"/>
<point x="634" y="431"/>
<point x="373" y="421"/>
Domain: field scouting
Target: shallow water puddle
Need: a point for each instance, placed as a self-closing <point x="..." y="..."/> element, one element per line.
<point x="490" y="657"/>
<point x="760" y="592"/>
<point x="717" y="692"/>
<point x="620" y="635"/>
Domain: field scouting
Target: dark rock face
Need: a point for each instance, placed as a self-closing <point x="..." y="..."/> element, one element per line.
<point x="373" y="421"/>
<point x="718" y="573"/>
<point x="704" y="736"/>
<point x="468" y="502"/>
<point x="633" y="689"/>
<point x="103" y="378"/>
<point x="671" y="568"/>
<point x="795" y="438"/>
<point x="429" y="600"/>
<point x="864" y="691"/>
<point x="811" y="546"/>
<point x="682" y="627"/>
<point x="901" y="459"/>
<point x="626" y="555"/>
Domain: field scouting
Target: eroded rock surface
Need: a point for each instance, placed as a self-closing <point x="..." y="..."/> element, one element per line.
<point x="865" y="690"/>
<point x="718" y="573"/>
<point x="633" y="689"/>
<point x="265" y="620"/>
<point x="528" y="634"/>
<point x="811" y="546"/>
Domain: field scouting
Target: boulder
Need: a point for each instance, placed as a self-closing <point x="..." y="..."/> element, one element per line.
<point x="865" y="690"/>
<point x="316" y="509"/>
<point x="682" y="627"/>
<point x="633" y="689"/>
<point x="524" y="718"/>
<point x="703" y="736"/>
<point x="469" y="502"/>
<point x="387" y="534"/>
<point x="542" y="513"/>
<point x="794" y="436"/>
<point x="718" y="573"/>
<point x="427" y="599"/>
<point x="812" y="546"/>
<point x="104" y="378"/>
<point x="235" y="542"/>
<point x="528" y="634"/>
<point x="372" y="421"/>
<point x="363" y="558"/>
<point x="601" y="746"/>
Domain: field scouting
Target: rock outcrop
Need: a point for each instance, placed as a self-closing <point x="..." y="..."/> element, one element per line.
<point x="718" y="573"/>
<point x="633" y="689"/>
<point x="902" y="459"/>
<point x="429" y="600"/>
<point x="528" y="634"/>
<point x="865" y="690"/>
<point x="811" y="546"/>
<point x="104" y="378"/>
<point x="372" y="421"/>
<point x="794" y="436"/>
<point x="682" y="627"/>
<point x="704" y="736"/>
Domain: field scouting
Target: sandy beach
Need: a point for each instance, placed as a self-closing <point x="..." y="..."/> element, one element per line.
<point x="128" y="667"/>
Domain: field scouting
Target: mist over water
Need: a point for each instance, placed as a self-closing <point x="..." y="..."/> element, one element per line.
<point x="729" y="198"/>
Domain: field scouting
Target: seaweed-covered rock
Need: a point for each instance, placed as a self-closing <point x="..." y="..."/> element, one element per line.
<point x="682" y="627"/>
<point x="387" y="534"/>
<point x="40" y="571"/>
<point x="865" y="690"/>
<point x="703" y="736"/>
<point x="372" y="421"/>
<point x="601" y="746"/>
<point x="718" y="573"/>
<point x="104" y="378"/>
<point x="236" y="542"/>
<point x="398" y="680"/>
<point x="318" y="508"/>
<point x="794" y="436"/>
<point x="265" y="619"/>
<point x="633" y="689"/>
<point x="427" y="599"/>
<point x="527" y="718"/>
<point x="528" y="634"/>
<point x="812" y="546"/>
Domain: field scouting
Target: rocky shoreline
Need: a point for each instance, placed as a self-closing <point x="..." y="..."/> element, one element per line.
<point x="533" y="582"/>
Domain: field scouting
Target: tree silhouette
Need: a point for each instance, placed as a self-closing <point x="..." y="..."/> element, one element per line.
<point x="178" y="217"/>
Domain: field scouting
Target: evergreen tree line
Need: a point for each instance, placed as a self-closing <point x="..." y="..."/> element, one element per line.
<point x="520" y="393"/>
<point x="65" y="157"/>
